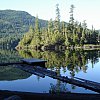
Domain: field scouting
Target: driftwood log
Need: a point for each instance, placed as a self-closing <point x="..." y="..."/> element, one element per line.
<point x="45" y="72"/>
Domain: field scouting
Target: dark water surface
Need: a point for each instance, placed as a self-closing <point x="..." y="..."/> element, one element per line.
<point x="71" y="63"/>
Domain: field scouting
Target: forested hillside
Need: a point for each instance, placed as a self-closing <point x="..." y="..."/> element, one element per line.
<point x="12" y="21"/>
<point x="13" y="24"/>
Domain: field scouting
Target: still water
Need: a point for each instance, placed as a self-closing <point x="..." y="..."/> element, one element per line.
<point x="71" y="63"/>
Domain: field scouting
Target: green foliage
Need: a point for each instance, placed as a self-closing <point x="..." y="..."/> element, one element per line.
<point x="27" y="37"/>
<point x="9" y="40"/>
<point x="36" y="40"/>
<point x="57" y="20"/>
<point x="60" y="33"/>
<point x="12" y="21"/>
<point x="12" y="26"/>
<point x="71" y="21"/>
<point x="58" y="38"/>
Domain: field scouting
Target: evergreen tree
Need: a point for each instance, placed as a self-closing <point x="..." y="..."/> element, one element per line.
<point x="63" y="28"/>
<point x="57" y="20"/>
<point x="36" y="26"/>
<point x="27" y="38"/>
<point x="50" y="26"/>
<point x="84" y="24"/>
<point x="94" y="37"/>
<point x="71" y="21"/>
<point x="67" y="39"/>
<point x="36" y="41"/>
<point x="60" y="33"/>
<point x="82" y="41"/>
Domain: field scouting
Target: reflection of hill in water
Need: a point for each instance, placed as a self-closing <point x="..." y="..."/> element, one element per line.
<point x="71" y="60"/>
<point x="9" y="56"/>
<point x="8" y="73"/>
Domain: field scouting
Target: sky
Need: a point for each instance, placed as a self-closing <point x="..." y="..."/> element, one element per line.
<point x="45" y="9"/>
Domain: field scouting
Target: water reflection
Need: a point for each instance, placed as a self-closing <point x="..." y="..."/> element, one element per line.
<point x="11" y="72"/>
<point x="71" y="60"/>
<point x="8" y="73"/>
<point x="9" y="56"/>
<point x="59" y="87"/>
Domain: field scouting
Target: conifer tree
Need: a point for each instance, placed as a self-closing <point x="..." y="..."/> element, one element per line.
<point x="36" y="26"/>
<point x="36" y="41"/>
<point x="71" y="21"/>
<point x="57" y="20"/>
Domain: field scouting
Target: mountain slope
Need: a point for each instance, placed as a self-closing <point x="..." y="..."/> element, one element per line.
<point x="12" y="21"/>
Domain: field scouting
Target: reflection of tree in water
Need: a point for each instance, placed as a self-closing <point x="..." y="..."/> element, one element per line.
<point x="93" y="56"/>
<point x="58" y="88"/>
<point x="71" y="60"/>
<point x="75" y="61"/>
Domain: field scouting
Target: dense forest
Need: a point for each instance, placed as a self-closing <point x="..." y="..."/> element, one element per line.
<point x="13" y="24"/>
<point x="12" y="21"/>
<point x="60" y="34"/>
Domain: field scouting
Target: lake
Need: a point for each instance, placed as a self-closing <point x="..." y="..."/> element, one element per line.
<point x="72" y="63"/>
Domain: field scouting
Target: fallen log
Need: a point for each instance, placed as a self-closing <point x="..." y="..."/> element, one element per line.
<point x="30" y="70"/>
<point x="79" y="83"/>
<point x="45" y="72"/>
<point x="37" y="70"/>
<point x="88" y="81"/>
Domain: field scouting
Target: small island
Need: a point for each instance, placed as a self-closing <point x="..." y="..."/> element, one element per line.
<point x="60" y="35"/>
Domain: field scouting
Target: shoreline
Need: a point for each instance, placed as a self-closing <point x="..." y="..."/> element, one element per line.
<point x="48" y="96"/>
<point x="59" y="47"/>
